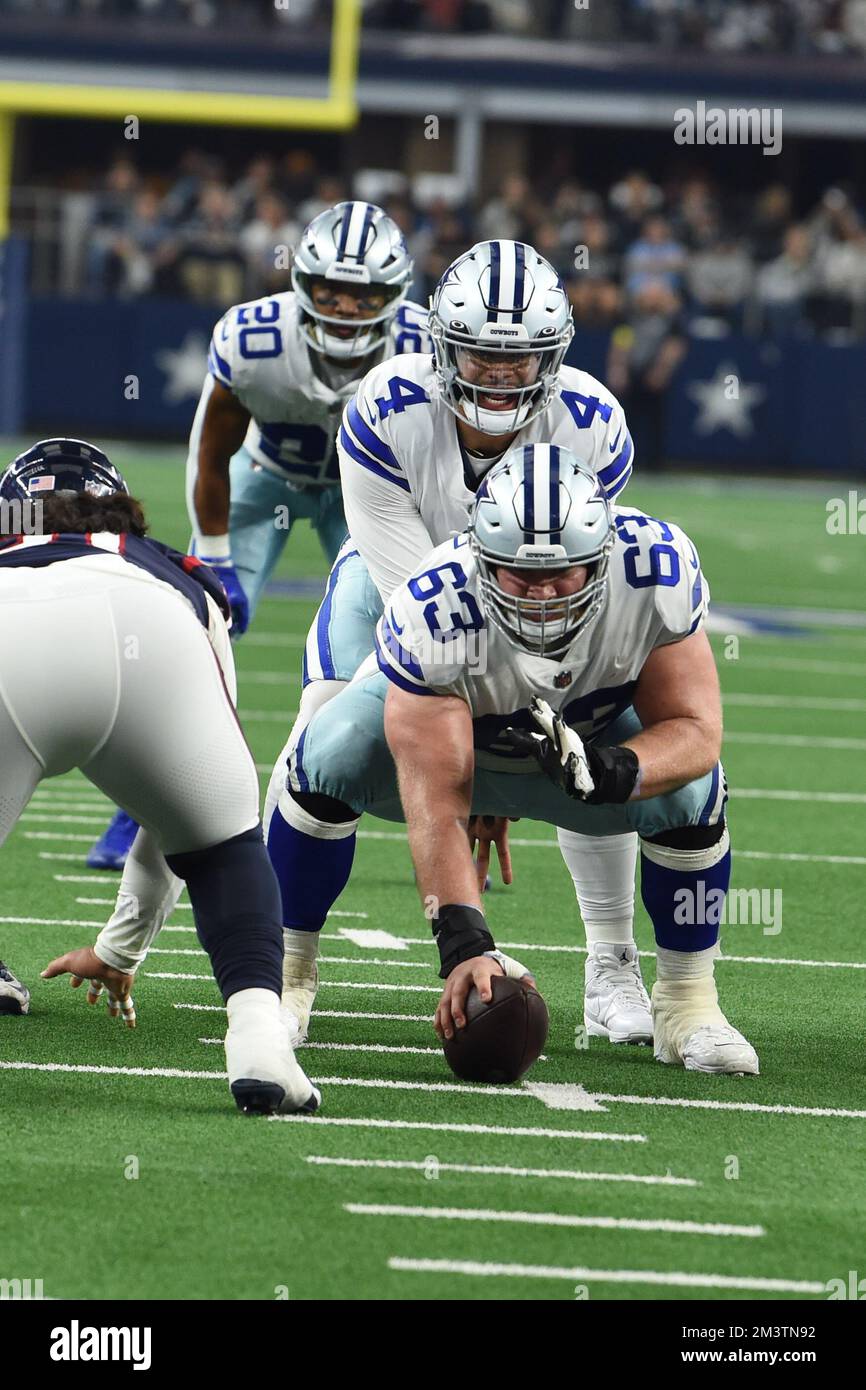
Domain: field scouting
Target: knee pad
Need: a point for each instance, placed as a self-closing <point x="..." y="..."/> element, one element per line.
<point x="236" y="904"/>
<point x="684" y="879"/>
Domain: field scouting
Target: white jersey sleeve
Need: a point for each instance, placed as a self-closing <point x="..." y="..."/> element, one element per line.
<point x="381" y="513"/>
<point x="433" y="631"/>
<point x="658" y="558"/>
<point x="593" y="425"/>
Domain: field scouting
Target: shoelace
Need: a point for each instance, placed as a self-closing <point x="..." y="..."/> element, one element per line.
<point x="630" y="989"/>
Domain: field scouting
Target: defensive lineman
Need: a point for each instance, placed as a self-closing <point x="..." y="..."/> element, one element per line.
<point x="134" y="637"/>
<point x="415" y="442"/>
<point x="549" y="663"/>
<point x="280" y="370"/>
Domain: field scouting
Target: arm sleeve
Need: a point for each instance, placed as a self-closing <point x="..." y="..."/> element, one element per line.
<point x="617" y="453"/>
<point x="381" y="514"/>
<point x="192" y="458"/>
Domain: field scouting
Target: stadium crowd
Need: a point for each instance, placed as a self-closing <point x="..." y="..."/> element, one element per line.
<point x="732" y="26"/>
<point x="691" y="254"/>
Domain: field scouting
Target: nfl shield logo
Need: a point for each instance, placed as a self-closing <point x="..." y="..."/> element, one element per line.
<point x="562" y="679"/>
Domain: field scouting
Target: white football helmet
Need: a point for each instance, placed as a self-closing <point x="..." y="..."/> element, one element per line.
<point x="353" y="243"/>
<point x="501" y="298"/>
<point x="541" y="508"/>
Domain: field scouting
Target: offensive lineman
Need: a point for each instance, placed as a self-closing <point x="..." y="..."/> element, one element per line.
<point x="127" y="628"/>
<point x="415" y="443"/>
<point x="280" y="370"/>
<point x="547" y="663"/>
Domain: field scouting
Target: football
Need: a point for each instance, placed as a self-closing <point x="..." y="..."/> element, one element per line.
<point x="501" y="1039"/>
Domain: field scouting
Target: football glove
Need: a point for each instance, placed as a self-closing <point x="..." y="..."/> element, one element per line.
<point x="596" y="775"/>
<point x="213" y="551"/>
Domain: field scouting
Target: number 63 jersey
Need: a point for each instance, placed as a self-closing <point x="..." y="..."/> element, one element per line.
<point x="435" y="639"/>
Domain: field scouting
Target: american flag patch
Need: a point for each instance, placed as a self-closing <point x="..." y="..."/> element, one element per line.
<point x="43" y="484"/>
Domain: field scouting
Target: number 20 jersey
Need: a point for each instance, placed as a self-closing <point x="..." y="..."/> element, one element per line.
<point x="258" y="352"/>
<point x="434" y="638"/>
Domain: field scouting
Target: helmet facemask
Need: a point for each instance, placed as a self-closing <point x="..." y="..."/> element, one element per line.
<point x="525" y="402"/>
<point x="367" y="334"/>
<point x="542" y="627"/>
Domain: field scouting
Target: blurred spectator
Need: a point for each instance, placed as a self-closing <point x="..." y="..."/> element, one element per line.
<point x="258" y="179"/>
<point x="632" y="200"/>
<point x="328" y="191"/>
<point x="719" y="279"/>
<point x="770" y="218"/>
<point x="210" y="267"/>
<point x="270" y="231"/>
<point x="784" y="285"/>
<point x="509" y="212"/>
<point x="656" y="257"/>
<point x="645" y="352"/>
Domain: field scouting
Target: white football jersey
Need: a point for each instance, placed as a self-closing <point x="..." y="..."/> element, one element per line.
<point x="407" y="485"/>
<point x="434" y="637"/>
<point x="258" y="353"/>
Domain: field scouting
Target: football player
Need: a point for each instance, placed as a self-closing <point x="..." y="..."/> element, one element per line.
<point x="416" y="440"/>
<point x="280" y="370"/>
<point x="549" y="662"/>
<point x="135" y="637"/>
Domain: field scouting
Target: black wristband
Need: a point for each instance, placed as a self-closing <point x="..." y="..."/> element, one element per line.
<point x="614" y="771"/>
<point x="460" y="932"/>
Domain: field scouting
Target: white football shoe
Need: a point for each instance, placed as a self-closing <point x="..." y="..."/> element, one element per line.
<point x="14" y="997"/>
<point x="300" y="983"/>
<point x="616" y="1005"/>
<point x="264" y="1075"/>
<point x="691" y="1030"/>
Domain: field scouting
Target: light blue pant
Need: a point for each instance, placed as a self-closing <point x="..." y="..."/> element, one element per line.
<point x="343" y="631"/>
<point x="343" y="753"/>
<point x="256" y="541"/>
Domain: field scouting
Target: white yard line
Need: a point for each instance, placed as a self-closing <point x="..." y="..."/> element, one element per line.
<point x="580" y="1273"/>
<point x="784" y="702"/>
<point x="347" y="1047"/>
<point x="857" y="745"/>
<point x="507" y="1131"/>
<point x="748" y="1107"/>
<point x="115" y="1071"/>
<point x="503" y="1170"/>
<point x="554" y="1218"/>
<point x="321" y="1013"/>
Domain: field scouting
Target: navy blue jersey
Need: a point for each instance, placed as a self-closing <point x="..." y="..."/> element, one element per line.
<point x="183" y="572"/>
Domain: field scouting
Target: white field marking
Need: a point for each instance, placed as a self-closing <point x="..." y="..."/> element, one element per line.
<point x="175" y="951"/>
<point x="857" y="745"/>
<point x="369" y="940"/>
<point x="347" y="1047"/>
<point x="54" y="854"/>
<point x="651" y="955"/>
<point x="453" y="1127"/>
<point x="110" y="902"/>
<point x="70" y="839"/>
<point x="579" y="1273"/>
<point x="750" y="1107"/>
<point x="503" y="1170"/>
<point x="783" y="703"/>
<point x="799" y="663"/>
<point x="101" y="879"/>
<point x="265" y="678"/>
<point x="374" y="960"/>
<point x="552" y="844"/>
<point x="322" y="1013"/>
<point x="115" y="1071"/>
<point x="51" y="922"/>
<point x="62" y="819"/>
<point x="555" y="1218"/>
<point x="564" y="1096"/>
<point x="364" y="915"/>
<point x="51" y="803"/>
<point x="325" y="984"/>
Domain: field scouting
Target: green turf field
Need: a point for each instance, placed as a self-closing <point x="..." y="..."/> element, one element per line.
<point x="408" y="1184"/>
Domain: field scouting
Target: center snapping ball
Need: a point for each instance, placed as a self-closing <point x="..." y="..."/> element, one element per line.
<point x="501" y="1039"/>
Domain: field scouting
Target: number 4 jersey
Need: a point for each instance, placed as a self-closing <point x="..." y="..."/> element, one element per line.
<point x="434" y="638"/>
<point x="258" y="353"/>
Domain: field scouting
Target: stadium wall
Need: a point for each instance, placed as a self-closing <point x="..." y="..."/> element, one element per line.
<point x="135" y="369"/>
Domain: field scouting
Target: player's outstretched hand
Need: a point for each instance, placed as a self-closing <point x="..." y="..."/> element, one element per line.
<point x="477" y="971"/>
<point x="486" y="831"/>
<point x="84" y="964"/>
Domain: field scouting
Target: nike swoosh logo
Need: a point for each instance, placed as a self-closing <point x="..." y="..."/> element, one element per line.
<point x="613" y="446"/>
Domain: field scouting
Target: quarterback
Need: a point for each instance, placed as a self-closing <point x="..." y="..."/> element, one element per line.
<point x="280" y="370"/>
<point x="416" y="441"/>
<point x="548" y="662"/>
<point x="128" y="629"/>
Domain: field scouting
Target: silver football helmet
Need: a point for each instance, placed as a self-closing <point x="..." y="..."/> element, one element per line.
<point x="353" y="243"/>
<point x="541" y="508"/>
<point x="501" y="302"/>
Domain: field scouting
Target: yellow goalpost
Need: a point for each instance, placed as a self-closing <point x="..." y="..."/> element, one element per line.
<point x="336" y="111"/>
